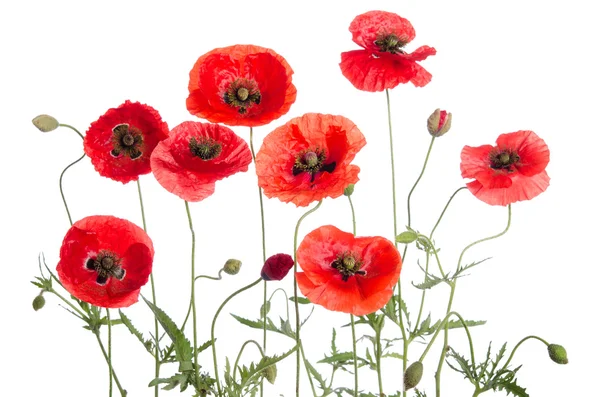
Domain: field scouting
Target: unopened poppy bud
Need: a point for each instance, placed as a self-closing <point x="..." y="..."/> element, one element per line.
<point x="406" y="237"/>
<point x="232" y="266"/>
<point x="558" y="354"/>
<point x="264" y="309"/>
<point x="349" y="190"/>
<point x="277" y="267"/>
<point x="38" y="302"/>
<point x="270" y="373"/>
<point x="413" y="375"/>
<point x="45" y="123"/>
<point x="439" y="123"/>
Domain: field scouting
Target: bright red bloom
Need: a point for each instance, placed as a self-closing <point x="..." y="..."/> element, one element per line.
<point x="384" y="63"/>
<point x="195" y="156"/>
<point x="345" y="273"/>
<point x="105" y="261"/>
<point x="513" y="170"/>
<point x="120" y="142"/>
<point x="241" y="85"/>
<point x="308" y="158"/>
<point x="277" y="267"/>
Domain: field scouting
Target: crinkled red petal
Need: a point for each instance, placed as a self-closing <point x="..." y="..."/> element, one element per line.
<point x="370" y="72"/>
<point x="368" y="27"/>
<point x="85" y="240"/>
<point x="275" y="160"/>
<point x="214" y="71"/>
<point x="522" y="188"/>
<point x="190" y="177"/>
<point x="98" y="144"/>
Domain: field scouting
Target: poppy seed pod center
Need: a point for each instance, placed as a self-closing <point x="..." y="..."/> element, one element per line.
<point x="313" y="162"/>
<point x="205" y="148"/>
<point x="504" y="159"/>
<point x="390" y="43"/>
<point x="127" y="140"/>
<point x="107" y="264"/>
<point x="348" y="265"/>
<point x="242" y="94"/>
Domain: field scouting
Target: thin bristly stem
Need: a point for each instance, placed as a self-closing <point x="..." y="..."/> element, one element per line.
<point x="264" y="253"/>
<point x="187" y="316"/>
<point x="156" y="347"/>
<point x="114" y="374"/>
<point x="378" y="361"/>
<point x="296" y="294"/>
<point x="110" y="370"/>
<point x="310" y="379"/>
<point x="60" y="186"/>
<point x="517" y="346"/>
<point x="418" y="179"/>
<point x="72" y="128"/>
<point x="193" y="296"/>
<point x="353" y="216"/>
<point x="444" y="211"/>
<point x="212" y="331"/>
<point x="354" y="355"/>
<point x="237" y="360"/>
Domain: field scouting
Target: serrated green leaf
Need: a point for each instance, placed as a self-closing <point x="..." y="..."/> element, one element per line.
<point x="470" y="323"/>
<point x="316" y="375"/>
<point x="265" y="362"/>
<point x="335" y="358"/>
<point x="393" y="355"/>
<point x="334" y="349"/>
<point x="511" y="387"/>
<point x="428" y="283"/>
<point x="131" y="328"/>
<point x="183" y="347"/>
<point x="205" y="346"/>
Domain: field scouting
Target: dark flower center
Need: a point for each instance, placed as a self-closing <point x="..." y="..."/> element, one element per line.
<point x="391" y="43"/>
<point x="107" y="264"/>
<point x="504" y="159"/>
<point x="205" y="148"/>
<point x="348" y="265"/>
<point x="242" y="94"/>
<point x="127" y="140"/>
<point x="313" y="162"/>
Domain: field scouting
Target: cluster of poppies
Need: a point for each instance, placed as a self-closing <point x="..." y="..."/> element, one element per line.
<point x="105" y="260"/>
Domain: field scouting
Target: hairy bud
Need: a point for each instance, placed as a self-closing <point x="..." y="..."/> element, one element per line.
<point x="558" y="354"/>
<point x="38" y="302"/>
<point x="439" y="123"/>
<point x="413" y="375"/>
<point x="45" y="123"/>
<point x="232" y="266"/>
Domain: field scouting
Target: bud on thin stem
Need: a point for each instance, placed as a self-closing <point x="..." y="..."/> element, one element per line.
<point x="413" y="375"/>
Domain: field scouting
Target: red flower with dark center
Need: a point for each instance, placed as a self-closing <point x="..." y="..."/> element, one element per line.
<point x="384" y="63"/>
<point x="308" y="158"/>
<point x="513" y="170"/>
<point x="121" y="141"/>
<point x="195" y="156"/>
<point x="105" y="261"/>
<point x="277" y="267"/>
<point x="241" y="85"/>
<point x="345" y="273"/>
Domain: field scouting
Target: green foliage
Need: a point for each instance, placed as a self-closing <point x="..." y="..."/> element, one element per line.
<point x="148" y="344"/>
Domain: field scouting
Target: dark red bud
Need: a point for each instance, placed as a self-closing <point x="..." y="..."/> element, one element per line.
<point x="277" y="267"/>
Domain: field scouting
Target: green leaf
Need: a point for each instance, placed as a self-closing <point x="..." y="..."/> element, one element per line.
<point x="205" y="346"/>
<point x="183" y="347"/>
<point x="301" y="300"/>
<point x="511" y="387"/>
<point x="265" y="362"/>
<point x="131" y="328"/>
<point x="334" y="349"/>
<point x="337" y="358"/>
<point x="428" y="283"/>
<point x="316" y="375"/>
<point x="470" y="323"/>
<point x="393" y="355"/>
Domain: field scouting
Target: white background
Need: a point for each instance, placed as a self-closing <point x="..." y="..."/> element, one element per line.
<point x="500" y="67"/>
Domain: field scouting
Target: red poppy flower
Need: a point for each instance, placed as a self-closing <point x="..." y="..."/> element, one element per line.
<point x="120" y="142"/>
<point x="105" y="261"/>
<point x="308" y="158"/>
<point x="511" y="171"/>
<point x="277" y="267"/>
<point x="241" y="85"/>
<point x="346" y="273"/>
<point x="195" y="156"/>
<point x="384" y="63"/>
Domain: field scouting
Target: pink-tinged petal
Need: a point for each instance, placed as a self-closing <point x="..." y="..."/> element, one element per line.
<point x="522" y="188"/>
<point x="420" y="54"/>
<point x="532" y="150"/>
<point x="370" y="26"/>
<point x="475" y="160"/>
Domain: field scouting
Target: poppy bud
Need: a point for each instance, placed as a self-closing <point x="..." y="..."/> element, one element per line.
<point x="413" y="375"/>
<point x="38" y="302"/>
<point x="406" y="237"/>
<point x="45" y="123"/>
<point x="439" y="123"/>
<point x="558" y="354"/>
<point x="349" y="190"/>
<point x="232" y="266"/>
<point x="264" y="309"/>
<point x="270" y="373"/>
<point x="277" y="267"/>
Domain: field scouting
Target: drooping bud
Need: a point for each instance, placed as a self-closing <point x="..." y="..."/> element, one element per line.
<point x="439" y="123"/>
<point x="406" y="237"/>
<point x="413" y="375"/>
<point x="277" y="267"/>
<point x="38" y="302"/>
<point x="264" y="309"/>
<point x="349" y="190"/>
<point x="45" y="123"/>
<point x="270" y="373"/>
<point x="232" y="266"/>
<point x="558" y="354"/>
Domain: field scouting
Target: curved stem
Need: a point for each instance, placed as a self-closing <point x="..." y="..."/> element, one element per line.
<point x="354" y="355"/>
<point x="114" y="374"/>
<point x="517" y="346"/>
<point x="433" y="338"/>
<point x="438" y="373"/>
<point x="60" y="186"/>
<point x="212" y="330"/>
<point x="378" y="361"/>
<point x="156" y="347"/>
<point x="419" y="178"/>
<point x="187" y="315"/>
<point x="264" y="252"/>
<point x="444" y="211"/>
<point x="389" y="114"/>
<point x="237" y="360"/>
<point x="192" y="295"/>
<point x="307" y="213"/>
<point x="422" y="294"/>
<point x="287" y="307"/>
<point x="72" y="128"/>
<point x="79" y="312"/>
<point x="110" y="368"/>
<point x="353" y="216"/>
